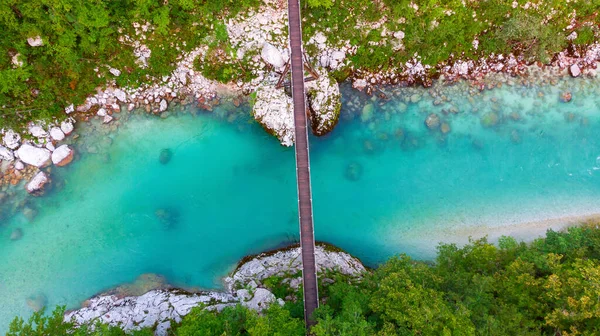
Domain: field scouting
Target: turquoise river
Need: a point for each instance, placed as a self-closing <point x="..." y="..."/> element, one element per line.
<point x="516" y="160"/>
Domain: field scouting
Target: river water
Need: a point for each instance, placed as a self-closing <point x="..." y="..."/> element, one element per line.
<point x="383" y="184"/>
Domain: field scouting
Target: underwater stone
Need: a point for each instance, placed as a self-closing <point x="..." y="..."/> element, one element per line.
<point x="354" y="171"/>
<point x="36" y="302"/>
<point x="169" y="217"/>
<point x="165" y="155"/>
<point x="367" y="113"/>
<point x="16" y="234"/>
<point x="433" y="121"/>
<point x="489" y="119"/>
<point x="445" y="128"/>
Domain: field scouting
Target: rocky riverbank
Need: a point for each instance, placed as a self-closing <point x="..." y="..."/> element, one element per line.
<point x="259" y="37"/>
<point x="127" y="308"/>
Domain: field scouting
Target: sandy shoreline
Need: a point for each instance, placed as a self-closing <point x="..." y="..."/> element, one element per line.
<point x="526" y="231"/>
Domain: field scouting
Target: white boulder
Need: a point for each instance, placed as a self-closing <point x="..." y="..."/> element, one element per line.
<point x="115" y="72"/>
<point x="39" y="157"/>
<point x="62" y="156"/>
<point x="35" y="41"/>
<point x="274" y="110"/>
<point x="6" y="154"/>
<point x="121" y="95"/>
<point x="163" y="105"/>
<point x="11" y="139"/>
<point x="271" y="55"/>
<point x="57" y="134"/>
<point x="70" y="109"/>
<point x="324" y="100"/>
<point x="37" y="183"/>
<point x="67" y="127"/>
<point x="37" y="131"/>
<point x="575" y="71"/>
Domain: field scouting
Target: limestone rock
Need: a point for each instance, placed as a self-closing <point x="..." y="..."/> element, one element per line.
<point x="37" y="131"/>
<point x="11" y="139"/>
<point x="289" y="261"/>
<point x="271" y="55"/>
<point x="39" y="157"/>
<point x="36" y="185"/>
<point x="57" y="134"/>
<point x="115" y="72"/>
<point x="62" y="156"/>
<point x="163" y="106"/>
<point x="274" y="110"/>
<point x="70" y="109"/>
<point x="35" y="41"/>
<point x="260" y="299"/>
<point x="155" y="308"/>
<point x="67" y="127"/>
<point x="325" y="103"/>
<point x="359" y="84"/>
<point x="574" y="70"/>
<point x="121" y="95"/>
<point x="6" y="154"/>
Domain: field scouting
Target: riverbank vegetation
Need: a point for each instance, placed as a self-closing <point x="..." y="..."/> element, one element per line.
<point x="547" y="287"/>
<point x="82" y="41"/>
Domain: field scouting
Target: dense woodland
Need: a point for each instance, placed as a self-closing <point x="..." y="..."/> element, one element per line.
<point x="81" y="39"/>
<point x="548" y="287"/>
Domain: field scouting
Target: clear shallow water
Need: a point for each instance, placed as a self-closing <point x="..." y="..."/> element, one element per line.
<point x="381" y="185"/>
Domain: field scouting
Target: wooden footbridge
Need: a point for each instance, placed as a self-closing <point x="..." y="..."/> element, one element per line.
<point x="307" y="236"/>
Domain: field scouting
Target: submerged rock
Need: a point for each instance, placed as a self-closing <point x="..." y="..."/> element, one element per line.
<point x="433" y="121"/>
<point x="29" y="213"/>
<point x="169" y="217"/>
<point x="37" y="302"/>
<point x="16" y="234"/>
<point x="445" y="128"/>
<point x="274" y="110"/>
<point x="354" y="171"/>
<point x="367" y="113"/>
<point x="489" y="119"/>
<point x="165" y="155"/>
<point x="36" y="185"/>
<point x="325" y="103"/>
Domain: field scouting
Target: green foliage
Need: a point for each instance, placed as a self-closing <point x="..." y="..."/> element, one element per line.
<point x="238" y="320"/>
<point x="81" y="41"/>
<point x="41" y="325"/>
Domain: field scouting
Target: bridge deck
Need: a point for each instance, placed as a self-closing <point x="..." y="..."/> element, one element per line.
<point x="307" y="239"/>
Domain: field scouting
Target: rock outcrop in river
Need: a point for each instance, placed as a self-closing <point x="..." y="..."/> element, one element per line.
<point x="325" y="103"/>
<point x="244" y="286"/>
<point x="274" y="110"/>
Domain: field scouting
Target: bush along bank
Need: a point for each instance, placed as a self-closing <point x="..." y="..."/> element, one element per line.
<point x="60" y="64"/>
<point x="546" y="287"/>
